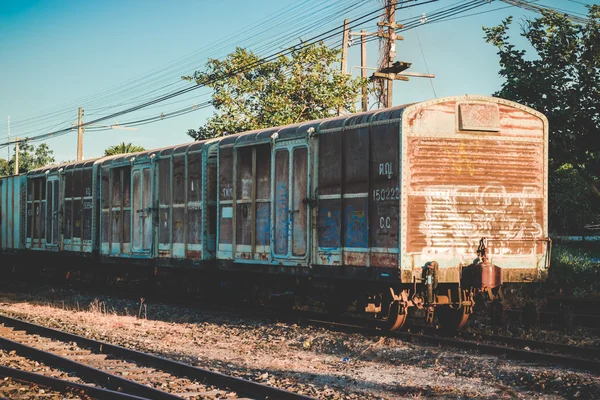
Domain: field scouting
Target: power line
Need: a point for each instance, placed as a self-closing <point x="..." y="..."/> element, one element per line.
<point x="321" y="37"/>
<point x="291" y="16"/>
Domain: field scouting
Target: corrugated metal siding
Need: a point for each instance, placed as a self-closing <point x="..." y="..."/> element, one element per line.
<point x="462" y="185"/>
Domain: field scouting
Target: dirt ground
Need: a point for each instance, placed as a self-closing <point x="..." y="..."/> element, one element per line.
<point x="309" y="360"/>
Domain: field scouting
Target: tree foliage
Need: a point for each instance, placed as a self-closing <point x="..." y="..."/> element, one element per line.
<point x="30" y="157"/>
<point x="123" y="148"/>
<point x="286" y="90"/>
<point x="4" y="168"/>
<point x="562" y="81"/>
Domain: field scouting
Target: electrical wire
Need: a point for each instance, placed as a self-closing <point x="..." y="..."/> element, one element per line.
<point x="323" y="36"/>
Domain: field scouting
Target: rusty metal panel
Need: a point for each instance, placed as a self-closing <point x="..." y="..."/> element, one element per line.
<point x="281" y="202"/>
<point x="77" y="217"/>
<point x="105" y="213"/>
<point x="68" y="226"/>
<point x="225" y="227"/>
<point x="36" y="205"/>
<point x="262" y="240"/>
<point x="470" y="172"/>
<point x="329" y="199"/>
<point x="147" y="219"/>
<point x="56" y="212"/>
<point x="299" y="208"/>
<point x="210" y="202"/>
<point x="478" y="117"/>
<point x="355" y="177"/>
<point x="136" y="180"/>
<point x="384" y="196"/>
<point x="164" y="206"/>
<point x="120" y="211"/>
<point x="243" y="215"/>
<point x="178" y="204"/>
<point x="195" y="228"/>
<point x="48" y="221"/>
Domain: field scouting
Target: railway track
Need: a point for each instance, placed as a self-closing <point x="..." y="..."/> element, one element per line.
<point x="579" y="357"/>
<point x="19" y="383"/>
<point x="128" y="371"/>
<point x="559" y="320"/>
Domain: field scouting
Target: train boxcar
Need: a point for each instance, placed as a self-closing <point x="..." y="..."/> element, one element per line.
<point x="421" y="205"/>
<point x="158" y="207"/>
<point x="12" y="202"/>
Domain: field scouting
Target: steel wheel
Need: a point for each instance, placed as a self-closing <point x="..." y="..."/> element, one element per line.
<point x="452" y="319"/>
<point x="395" y="320"/>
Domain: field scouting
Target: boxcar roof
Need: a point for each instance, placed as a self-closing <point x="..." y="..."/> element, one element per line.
<point x="161" y="152"/>
<point x="300" y="129"/>
<point x="64" y="166"/>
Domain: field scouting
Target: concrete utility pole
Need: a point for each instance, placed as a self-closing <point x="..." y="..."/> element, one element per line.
<point x="80" y="130"/>
<point x="16" y="155"/>
<point x="363" y="64"/>
<point x="363" y="70"/>
<point x="344" y="64"/>
<point x="8" y="147"/>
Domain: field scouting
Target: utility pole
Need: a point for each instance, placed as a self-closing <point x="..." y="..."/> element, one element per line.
<point x="363" y="70"/>
<point x="8" y="147"/>
<point x="344" y="66"/>
<point x="16" y="155"/>
<point x="389" y="69"/>
<point x="391" y="15"/>
<point x="80" y="130"/>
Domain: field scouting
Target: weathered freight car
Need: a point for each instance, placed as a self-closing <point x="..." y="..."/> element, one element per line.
<point x="423" y="205"/>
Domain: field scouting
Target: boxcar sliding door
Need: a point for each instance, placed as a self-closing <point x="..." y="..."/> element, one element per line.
<point x="52" y="221"/>
<point x="141" y="204"/>
<point x="290" y="210"/>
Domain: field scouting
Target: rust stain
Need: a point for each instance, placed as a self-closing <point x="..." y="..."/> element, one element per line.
<point x="462" y="188"/>
<point x="355" y="259"/>
<point x="384" y="260"/>
<point x="193" y="254"/>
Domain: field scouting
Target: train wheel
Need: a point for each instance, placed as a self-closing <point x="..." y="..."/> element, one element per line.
<point x="452" y="319"/>
<point x="397" y="316"/>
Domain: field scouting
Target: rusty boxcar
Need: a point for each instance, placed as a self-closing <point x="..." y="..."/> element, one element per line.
<point x="420" y="205"/>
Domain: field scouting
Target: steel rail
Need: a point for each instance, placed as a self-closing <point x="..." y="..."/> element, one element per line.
<point x="239" y="385"/>
<point x="509" y="352"/>
<point x="564" y="348"/>
<point x="62" y="385"/>
<point x="86" y="372"/>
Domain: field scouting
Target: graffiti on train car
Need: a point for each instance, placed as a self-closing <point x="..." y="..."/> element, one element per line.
<point x="330" y="228"/>
<point x="456" y="217"/>
<point x="263" y="224"/>
<point x="356" y="233"/>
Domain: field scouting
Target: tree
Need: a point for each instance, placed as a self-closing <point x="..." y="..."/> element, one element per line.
<point x="4" y="168"/>
<point x="562" y="81"/>
<point x="31" y="157"/>
<point x="286" y="90"/>
<point x="123" y="148"/>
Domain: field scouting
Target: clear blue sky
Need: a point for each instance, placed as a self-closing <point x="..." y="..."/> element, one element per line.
<point x="107" y="56"/>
